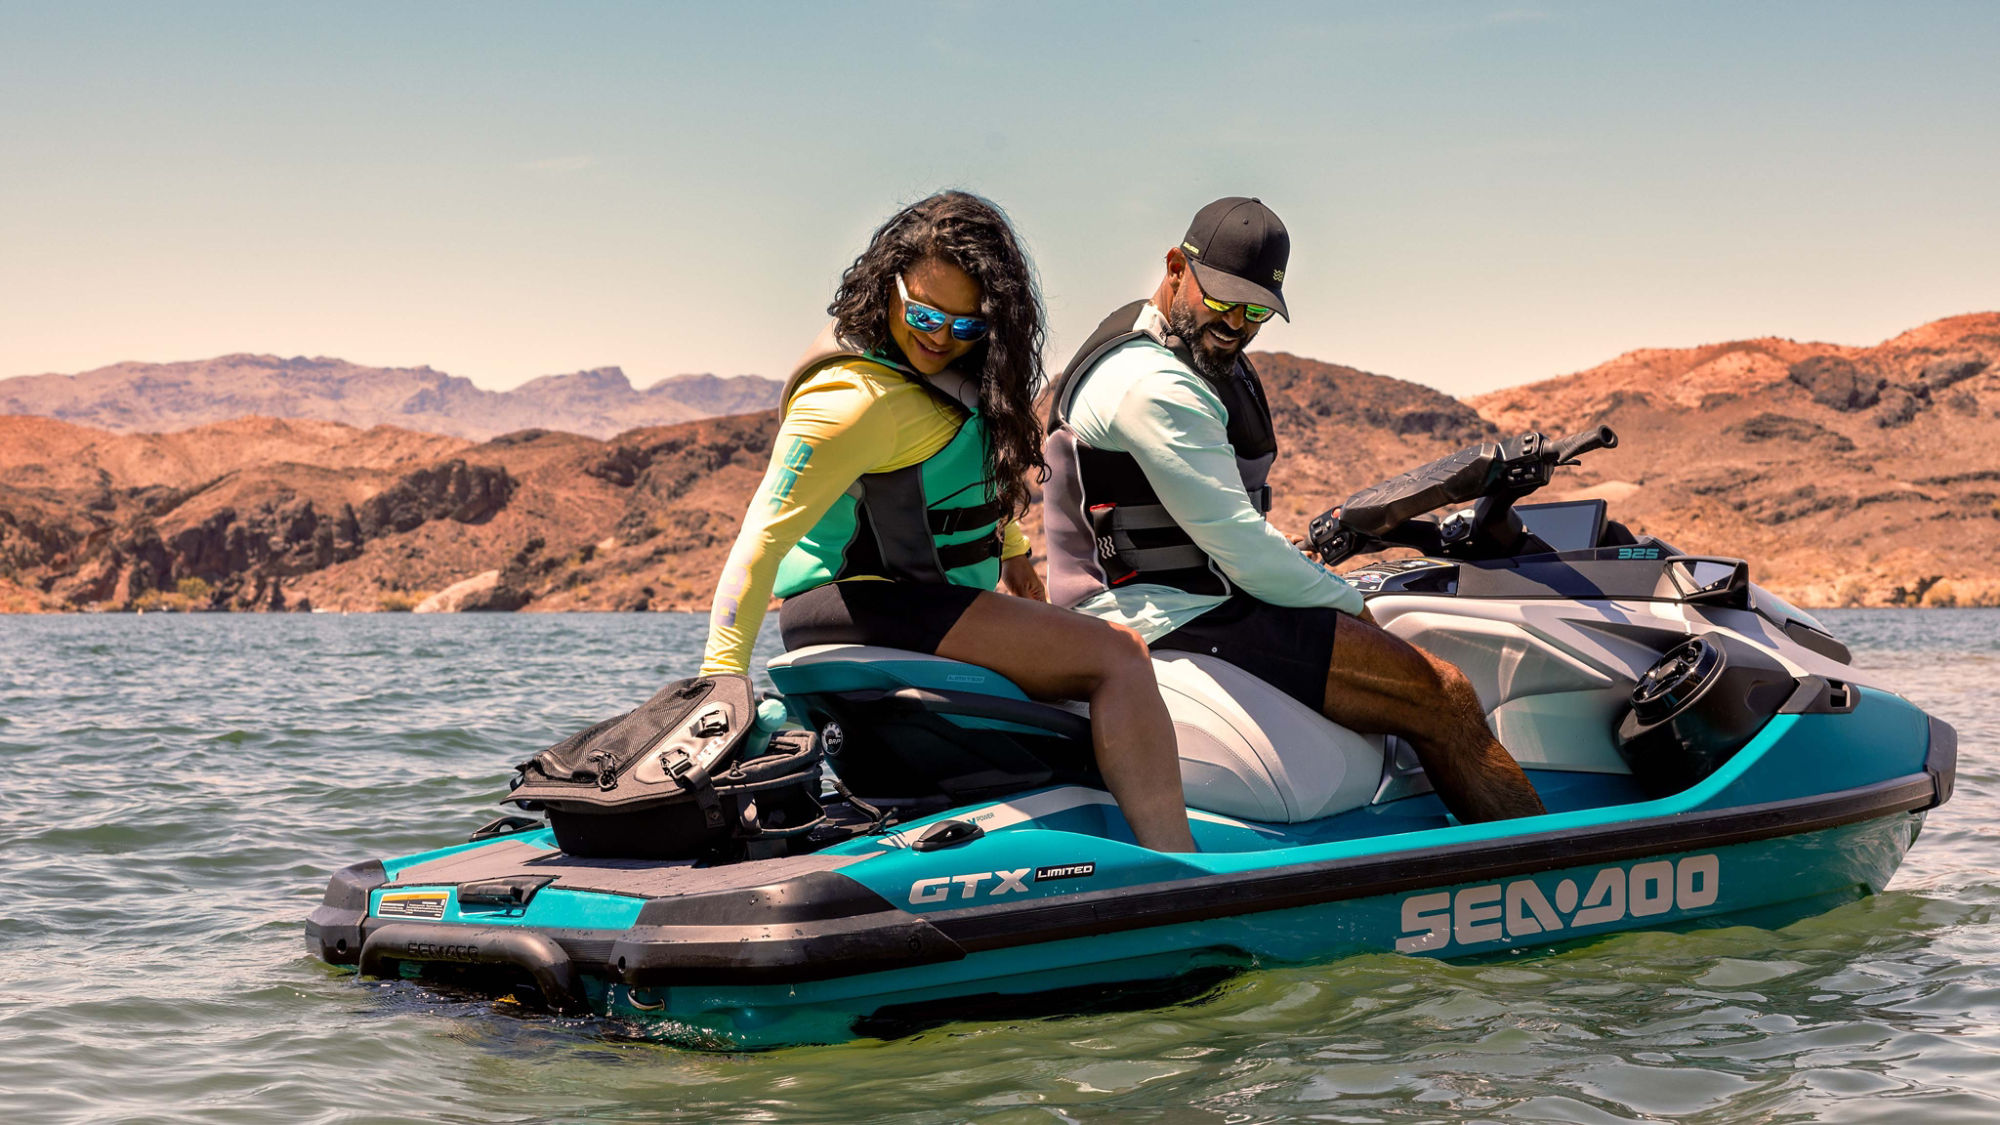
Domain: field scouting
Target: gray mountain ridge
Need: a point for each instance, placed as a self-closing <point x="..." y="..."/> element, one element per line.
<point x="161" y="397"/>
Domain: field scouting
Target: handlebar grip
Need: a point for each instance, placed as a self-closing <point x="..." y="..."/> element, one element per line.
<point x="1603" y="437"/>
<point x="1461" y="476"/>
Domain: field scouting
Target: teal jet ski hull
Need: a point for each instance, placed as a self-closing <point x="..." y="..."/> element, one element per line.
<point x="1045" y="891"/>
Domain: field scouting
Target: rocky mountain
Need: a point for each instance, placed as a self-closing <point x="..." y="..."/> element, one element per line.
<point x="267" y="514"/>
<point x="160" y="397"/>
<point x="1847" y="475"/>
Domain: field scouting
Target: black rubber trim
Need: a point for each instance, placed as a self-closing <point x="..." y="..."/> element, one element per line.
<point x="946" y="834"/>
<point x="973" y="705"/>
<point x="1813" y="640"/>
<point x="333" y="929"/>
<point x="508" y="892"/>
<point x="816" y="896"/>
<point x="1596" y="574"/>
<point x="1817" y="695"/>
<point x="533" y="952"/>
<point x="1130" y="908"/>
<point x="814" y="927"/>
<point x="589" y="951"/>
<point x="1942" y="760"/>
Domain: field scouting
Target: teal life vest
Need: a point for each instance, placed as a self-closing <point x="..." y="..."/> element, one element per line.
<point x="934" y="521"/>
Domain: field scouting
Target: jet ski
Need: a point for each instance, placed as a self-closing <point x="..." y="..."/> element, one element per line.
<point x="1706" y="753"/>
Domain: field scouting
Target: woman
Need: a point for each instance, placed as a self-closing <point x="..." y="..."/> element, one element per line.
<point x="907" y="435"/>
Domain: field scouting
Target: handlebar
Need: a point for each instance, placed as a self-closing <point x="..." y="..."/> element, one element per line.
<point x="1498" y="473"/>
<point x="1577" y="444"/>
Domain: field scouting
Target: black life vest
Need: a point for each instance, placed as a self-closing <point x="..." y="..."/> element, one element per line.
<point x="1106" y="526"/>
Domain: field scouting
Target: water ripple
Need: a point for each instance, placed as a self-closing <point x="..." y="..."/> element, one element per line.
<point x="180" y="786"/>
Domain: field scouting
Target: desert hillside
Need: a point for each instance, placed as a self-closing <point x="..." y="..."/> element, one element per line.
<point x="1848" y="475"/>
<point x="130" y="397"/>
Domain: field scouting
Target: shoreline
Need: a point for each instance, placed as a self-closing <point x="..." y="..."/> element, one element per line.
<point x="211" y="612"/>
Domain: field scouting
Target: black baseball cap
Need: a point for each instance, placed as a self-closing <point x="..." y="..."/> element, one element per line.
<point x="1238" y="250"/>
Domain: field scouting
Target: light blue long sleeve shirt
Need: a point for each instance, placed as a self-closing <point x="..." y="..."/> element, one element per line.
<point x="1143" y="401"/>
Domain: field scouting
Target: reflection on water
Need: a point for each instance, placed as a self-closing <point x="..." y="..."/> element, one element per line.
<point x="178" y="788"/>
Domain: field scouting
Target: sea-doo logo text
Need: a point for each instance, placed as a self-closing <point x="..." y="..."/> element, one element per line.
<point x="1520" y="909"/>
<point x="939" y="889"/>
<point x="431" y="951"/>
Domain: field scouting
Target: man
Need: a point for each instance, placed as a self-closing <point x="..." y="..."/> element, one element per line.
<point x="1160" y="443"/>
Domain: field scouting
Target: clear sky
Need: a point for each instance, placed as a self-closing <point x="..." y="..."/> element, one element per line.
<point x="1479" y="193"/>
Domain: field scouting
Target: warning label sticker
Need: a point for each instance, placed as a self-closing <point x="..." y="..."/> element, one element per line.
<point x="412" y="904"/>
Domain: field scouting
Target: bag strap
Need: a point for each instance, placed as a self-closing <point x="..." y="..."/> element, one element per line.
<point x="693" y="779"/>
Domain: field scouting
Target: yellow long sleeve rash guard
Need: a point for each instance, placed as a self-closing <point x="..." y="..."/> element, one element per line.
<point x="850" y="418"/>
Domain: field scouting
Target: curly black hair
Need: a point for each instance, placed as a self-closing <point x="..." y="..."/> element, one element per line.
<point x="974" y="235"/>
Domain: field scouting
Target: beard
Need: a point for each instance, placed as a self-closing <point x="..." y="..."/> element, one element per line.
<point x="1212" y="361"/>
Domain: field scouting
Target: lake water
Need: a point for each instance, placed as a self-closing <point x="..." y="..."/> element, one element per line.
<point x="178" y="787"/>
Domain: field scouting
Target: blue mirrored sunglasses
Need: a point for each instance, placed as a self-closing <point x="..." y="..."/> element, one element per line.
<point x="926" y="319"/>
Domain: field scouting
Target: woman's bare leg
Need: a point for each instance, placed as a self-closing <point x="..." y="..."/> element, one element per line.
<point x="1055" y="653"/>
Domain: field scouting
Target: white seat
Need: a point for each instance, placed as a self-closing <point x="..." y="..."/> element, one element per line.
<point x="1246" y="749"/>
<point x="1249" y="750"/>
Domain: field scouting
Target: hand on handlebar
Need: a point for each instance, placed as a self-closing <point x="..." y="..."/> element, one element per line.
<point x="1304" y="540"/>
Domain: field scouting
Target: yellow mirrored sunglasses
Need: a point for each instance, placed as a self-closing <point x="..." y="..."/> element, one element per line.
<point x="1255" y="314"/>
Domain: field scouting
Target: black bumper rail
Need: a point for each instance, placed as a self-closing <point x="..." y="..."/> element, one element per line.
<point x="334" y="928"/>
<point x="813" y="927"/>
<point x="1942" y="760"/>
<point x="534" y="953"/>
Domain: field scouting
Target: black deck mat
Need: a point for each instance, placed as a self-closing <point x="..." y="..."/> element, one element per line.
<point x="642" y="878"/>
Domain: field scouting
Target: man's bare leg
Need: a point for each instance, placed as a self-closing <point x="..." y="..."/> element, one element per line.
<point x="1379" y="683"/>
<point x="1054" y="653"/>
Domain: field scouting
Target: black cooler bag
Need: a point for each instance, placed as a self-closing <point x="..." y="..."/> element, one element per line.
<point x="670" y="780"/>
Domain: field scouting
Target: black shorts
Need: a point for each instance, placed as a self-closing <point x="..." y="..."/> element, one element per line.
<point x="1288" y="647"/>
<point x="908" y="615"/>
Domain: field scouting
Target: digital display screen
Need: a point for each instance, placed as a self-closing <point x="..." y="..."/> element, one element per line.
<point x="1571" y="525"/>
